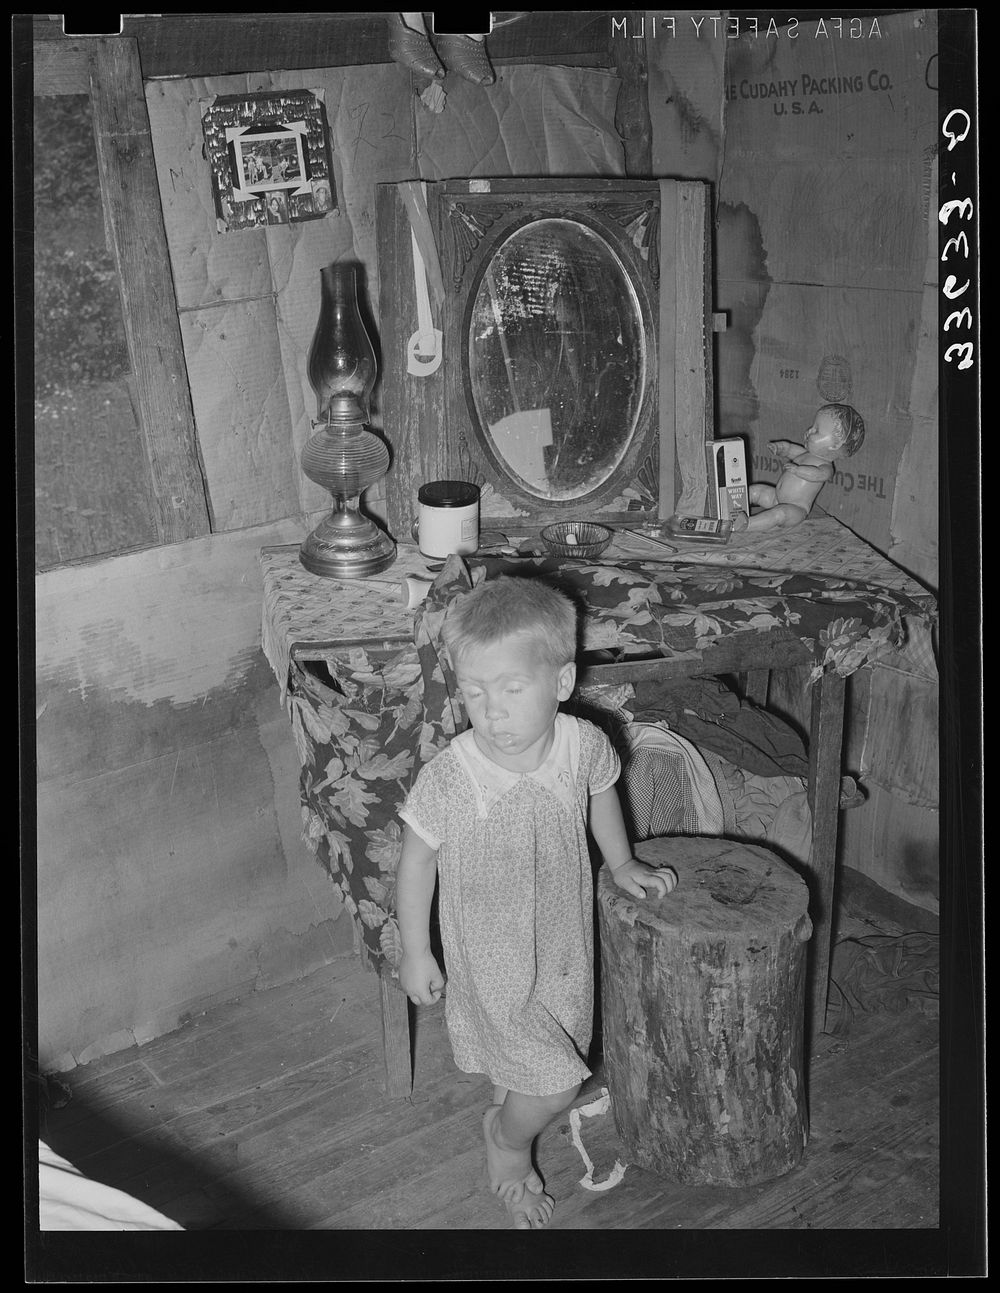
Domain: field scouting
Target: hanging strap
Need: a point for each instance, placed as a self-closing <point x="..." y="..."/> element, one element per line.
<point x="424" y="349"/>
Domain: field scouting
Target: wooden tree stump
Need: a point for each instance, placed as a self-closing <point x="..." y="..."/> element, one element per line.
<point x="703" y="1005"/>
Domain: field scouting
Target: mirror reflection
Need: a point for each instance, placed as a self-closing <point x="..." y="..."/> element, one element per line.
<point x="557" y="358"/>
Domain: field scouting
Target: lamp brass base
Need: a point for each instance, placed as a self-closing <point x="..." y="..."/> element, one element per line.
<point x="347" y="545"/>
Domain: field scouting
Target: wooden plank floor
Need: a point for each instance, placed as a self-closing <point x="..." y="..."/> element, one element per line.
<point x="269" y="1114"/>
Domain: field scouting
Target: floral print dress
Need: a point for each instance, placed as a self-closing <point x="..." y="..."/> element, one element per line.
<point x="516" y="904"/>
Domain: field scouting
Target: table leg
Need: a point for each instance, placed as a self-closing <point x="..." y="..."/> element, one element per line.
<point x="826" y="738"/>
<point x="754" y="684"/>
<point x="395" y="1037"/>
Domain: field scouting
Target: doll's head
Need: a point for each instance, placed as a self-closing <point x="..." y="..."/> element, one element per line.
<point x="845" y="425"/>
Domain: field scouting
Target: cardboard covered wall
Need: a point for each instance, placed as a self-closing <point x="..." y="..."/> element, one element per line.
<point x="686" y="63"/>
<point x="825" y="263"/>
<point x="826" y="255"/>
<point x="249" y="299"/>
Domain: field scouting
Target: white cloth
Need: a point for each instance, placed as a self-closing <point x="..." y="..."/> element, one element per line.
<point x="68" y="1200"/>
<point x="703" y="793"/>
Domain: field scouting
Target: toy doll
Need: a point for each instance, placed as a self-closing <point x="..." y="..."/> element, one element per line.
<point x="837" y="429"/>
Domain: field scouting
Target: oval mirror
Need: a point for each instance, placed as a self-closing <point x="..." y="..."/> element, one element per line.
<point x="557" y="358"/>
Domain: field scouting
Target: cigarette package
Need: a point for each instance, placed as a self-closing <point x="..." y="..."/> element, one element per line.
<point x="727" y="477"/>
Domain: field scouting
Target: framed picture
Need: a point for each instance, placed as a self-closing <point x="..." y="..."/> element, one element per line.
<point x="266" y="161"/>
<point x="269" y="157"/>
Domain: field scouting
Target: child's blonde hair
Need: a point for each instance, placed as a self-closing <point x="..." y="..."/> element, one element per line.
<point x="510" y="605"/>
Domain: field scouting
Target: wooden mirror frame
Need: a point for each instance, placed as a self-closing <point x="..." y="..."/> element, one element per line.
<point x="657" y="229"/>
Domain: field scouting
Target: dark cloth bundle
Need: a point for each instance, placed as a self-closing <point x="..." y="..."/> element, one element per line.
<point x="713" y="717"/>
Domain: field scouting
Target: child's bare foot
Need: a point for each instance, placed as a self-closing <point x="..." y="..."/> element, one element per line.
<point x="533" y="1212"/>
<point x="513" y="1179"/>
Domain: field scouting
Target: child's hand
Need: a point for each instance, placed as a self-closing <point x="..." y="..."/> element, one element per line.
<point x="421" y="979"/>
<point x="644" y="881"/>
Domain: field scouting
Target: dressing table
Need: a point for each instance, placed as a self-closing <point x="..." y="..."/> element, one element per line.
<point x="363" y="688"/>
<point x="550" y="340"/>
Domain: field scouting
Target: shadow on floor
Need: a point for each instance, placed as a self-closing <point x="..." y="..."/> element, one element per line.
<point x="174" y="1183"/>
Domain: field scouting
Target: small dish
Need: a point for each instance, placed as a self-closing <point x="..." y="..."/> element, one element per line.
<point x="576" y="538"/>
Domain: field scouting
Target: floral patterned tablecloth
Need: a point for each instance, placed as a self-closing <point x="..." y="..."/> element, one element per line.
<point x="379" y="697"/>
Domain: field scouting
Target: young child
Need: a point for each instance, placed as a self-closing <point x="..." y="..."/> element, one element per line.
<point x="836" y="429"/>
<point x="501" y="816"/>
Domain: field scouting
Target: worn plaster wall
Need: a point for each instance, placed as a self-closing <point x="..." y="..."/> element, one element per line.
<point x="170" y="870"/>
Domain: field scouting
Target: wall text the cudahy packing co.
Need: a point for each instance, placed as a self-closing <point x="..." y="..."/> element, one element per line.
<point x="809" y="86"/>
